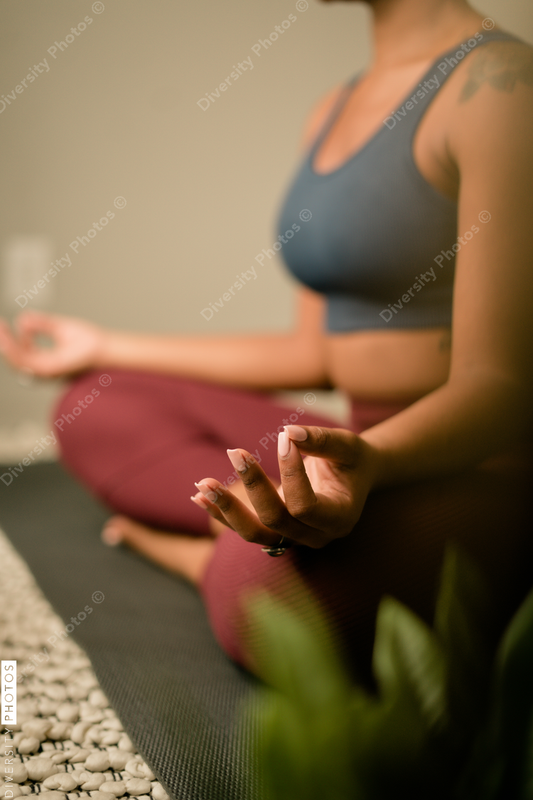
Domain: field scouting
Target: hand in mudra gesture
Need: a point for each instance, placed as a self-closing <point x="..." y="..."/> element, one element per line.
<point x="74" y="344"/>
<point x="320" y="498"/>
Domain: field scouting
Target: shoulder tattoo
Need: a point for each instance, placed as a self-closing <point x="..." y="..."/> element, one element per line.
<point x="500" y="64"/>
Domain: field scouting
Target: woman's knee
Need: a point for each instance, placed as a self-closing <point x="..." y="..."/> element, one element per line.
<point x="82" y="415"/>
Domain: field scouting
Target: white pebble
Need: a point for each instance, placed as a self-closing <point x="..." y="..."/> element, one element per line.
<point x="60" y="756"/>
<point x="47" y="707"/>
<point x="94" y="717"/>
<point x="112" y="723"/>
<point x="78" y="775"/>
<point x="138" y="786"/>
<point x="19" y="774"/>
<point x="40" y="768"/>
<point x="78" y="732"/>
<point x="79" y="755"/>
<point x="97" y="698"/>
<point x="158" y="793"/>
<point x="97" y="762"/>
<point x="54" y="795"/>
<point x="94" y="734"/>
<point x="77" y="692"/>
<point x="90" y="781"/>
<point x="135" y="768"/>
<point x="59" y="674"/>
<point x="62" y="781"/>
<point x="55" y="691"/>
<point x="91" y="713"/>
<point x="26" y="789"/>
<point x="60" y="731"/>
<point x="125" y="743"/>
<point x="27" y="707"/>
<point x="118" y="759"/>
<point x="111" y="737"/>
<point x="28" y="744"/>
<point x="37" y="728"/>
<point x="68" y="712"/>
<point x="117" y="788"/>
<point x="102" y="796"/>
<point x="147" y="772"/>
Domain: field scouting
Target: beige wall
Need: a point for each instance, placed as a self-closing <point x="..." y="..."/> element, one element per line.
<point x="116" y="115"/>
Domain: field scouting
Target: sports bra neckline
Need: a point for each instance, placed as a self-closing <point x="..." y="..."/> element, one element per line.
<point x="340" y="104"/>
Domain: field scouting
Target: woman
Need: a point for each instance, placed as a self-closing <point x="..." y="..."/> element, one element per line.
<point x="418" y="177"/>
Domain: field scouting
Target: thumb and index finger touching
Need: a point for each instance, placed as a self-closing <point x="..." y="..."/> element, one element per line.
<point x="17" y="342"/>
<point x="334" y="444"/>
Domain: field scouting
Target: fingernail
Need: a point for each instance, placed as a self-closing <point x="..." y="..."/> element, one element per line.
<point x="211" y="495"/>
<point x="111" y="536"/>
<point x="296" y="433"/>
<point x="284" y="445"/>
<point x="198" y="500"/>
<point x="237" y="459"/>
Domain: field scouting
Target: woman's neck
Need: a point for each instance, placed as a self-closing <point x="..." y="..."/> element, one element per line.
<point x="407" y="31"/>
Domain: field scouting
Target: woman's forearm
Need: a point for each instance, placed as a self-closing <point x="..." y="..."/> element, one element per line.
<point x="449" y="430"/>
<point x="268" y="361"/>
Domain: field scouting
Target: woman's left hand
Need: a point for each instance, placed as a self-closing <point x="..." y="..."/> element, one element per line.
<point x="320" y="498"/>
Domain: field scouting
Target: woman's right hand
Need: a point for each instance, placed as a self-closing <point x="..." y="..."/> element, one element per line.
<point x="75" y="345"/>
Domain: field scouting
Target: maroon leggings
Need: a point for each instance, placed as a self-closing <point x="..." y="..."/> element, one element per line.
<point x="140" y="440"/>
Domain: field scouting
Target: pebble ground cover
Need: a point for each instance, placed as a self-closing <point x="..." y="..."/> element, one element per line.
<point x="68" y="742"/>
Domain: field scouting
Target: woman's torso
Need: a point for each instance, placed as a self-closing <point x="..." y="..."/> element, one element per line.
<point x="392" y="363"/>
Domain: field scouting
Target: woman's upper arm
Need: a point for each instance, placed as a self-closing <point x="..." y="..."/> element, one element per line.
<point x="491" y="142"/>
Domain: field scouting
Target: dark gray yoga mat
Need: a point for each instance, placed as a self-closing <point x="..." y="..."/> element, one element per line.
<point x="176" y="693"/>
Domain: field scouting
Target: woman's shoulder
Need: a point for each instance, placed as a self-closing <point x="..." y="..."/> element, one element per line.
<point x="490" y="100"/>
<point x="501" y="65"/>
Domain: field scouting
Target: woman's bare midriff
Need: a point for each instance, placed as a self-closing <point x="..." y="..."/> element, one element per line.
<point x="389" y="365"/>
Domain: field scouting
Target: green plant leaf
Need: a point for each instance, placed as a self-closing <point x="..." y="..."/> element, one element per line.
<point x="513" y="704"/>
<point x="409" y="661"/>
<point x="322" y="737"/>
<point x="294" y="658"/>
<point x="305" y="750"/>
<point x="462" y="613"/>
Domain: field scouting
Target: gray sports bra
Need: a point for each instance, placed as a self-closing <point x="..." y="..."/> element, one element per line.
<point x="374" y="236"/>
